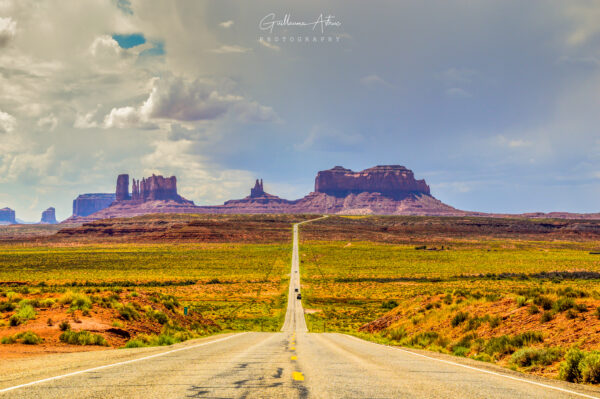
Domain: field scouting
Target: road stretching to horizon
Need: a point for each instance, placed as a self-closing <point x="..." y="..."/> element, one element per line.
<point x="289" y="364"/>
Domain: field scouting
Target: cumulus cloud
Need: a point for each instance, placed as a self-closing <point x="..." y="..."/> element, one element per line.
<point x="7" y="122"/>
<point x="8" y="30"/>
<point x="175" y="99"/>
<point x="226" y="24"/>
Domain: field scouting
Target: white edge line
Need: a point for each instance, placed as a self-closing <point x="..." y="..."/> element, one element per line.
<point x="480" y="370"/>
<point x="58" y="377"/>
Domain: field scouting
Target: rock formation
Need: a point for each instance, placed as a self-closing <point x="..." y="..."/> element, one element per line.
<point x="156" y="188"/>
<point x="390" y="180"/>
<point x="86" y="204"/>
<point x="122" y="192"/>
<point x="7" y="216"/>
<point x="257" y="202"/>
<point x="49" y="216"/>
<point x="258" y="190"/>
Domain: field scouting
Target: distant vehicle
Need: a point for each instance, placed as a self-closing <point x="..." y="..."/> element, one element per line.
<point x="295" y="289"/>
<point x="299" y="296"/>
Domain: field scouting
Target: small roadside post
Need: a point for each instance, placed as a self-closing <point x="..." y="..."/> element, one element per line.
<point x="185" y="310"/>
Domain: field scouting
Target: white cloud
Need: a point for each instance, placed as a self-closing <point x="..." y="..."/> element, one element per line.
<point x="127" y="117"/>
<point x="86" y="121"/>
<point x="197" y="178"/>
<point x="175" y="99"/>
<point x="48" y="122"/>
<point x="235" y="49"/>
<point x="7" y="122"/>
<point x="374" y="81"/>
<point x="270" y="45"/>
<point x="8" y="30"/>
<point x="226" y="24"/>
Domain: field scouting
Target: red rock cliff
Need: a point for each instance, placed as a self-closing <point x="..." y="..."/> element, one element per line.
<point x="389" y="180"/>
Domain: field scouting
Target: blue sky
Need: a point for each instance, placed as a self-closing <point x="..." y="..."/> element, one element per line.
<point x="494" y="104"/>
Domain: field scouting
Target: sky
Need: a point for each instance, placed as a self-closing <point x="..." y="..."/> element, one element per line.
<point x="494" y="103"/>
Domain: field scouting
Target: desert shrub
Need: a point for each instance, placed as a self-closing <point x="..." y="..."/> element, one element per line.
<point x="581" y="307"/>
<point x="64" y="325"/>
<point x="494" y="321"/>
<point x="529" y="356"/>
<point x="160" y="317"/>
<point x="22" y="314"/>
<point x="527" y="338"/>
<point x="7" y="306"/>
<point x="448" y="299"/>
<point x="521" y="301"/>
<point x="571" y="314"/>
<point x="459" y="318"/>
<point x="460" y="351"/>
<point x="492" y="297"/>
<point x="501" y="345"/>
<point x="82" y="338"/>
<point x="46" y="303"/>
<point x="165" y="338"/>
<point x="391" y="304"/>
<point x="544" y="302"/>
<point x="533" y="309"/>
<point x="128" y="312"/>
<point x="397" y="334"/>
<point x="50" y="322"/>
<point x="76" y="301"/>
<point x="597" y="312"/>
<point x="590" y="368"/>
<point x="569" y="369"/>
<point x="547" y="316"/>
<point x="423" y="339"/>
<point x="563" y="304"/>
<point x="26" y="337"/>
<point x="482" y="357"/>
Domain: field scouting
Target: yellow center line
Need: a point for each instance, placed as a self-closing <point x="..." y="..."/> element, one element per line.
<point x="298" y="376"/>
<point x="294" y="357"/>
<point x="293" y="348"/>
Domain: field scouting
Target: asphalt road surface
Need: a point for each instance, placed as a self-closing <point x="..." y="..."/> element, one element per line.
<point x="289" y="364"/>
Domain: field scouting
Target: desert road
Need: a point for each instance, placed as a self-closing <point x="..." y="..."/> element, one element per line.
<point x="289" y="364"/>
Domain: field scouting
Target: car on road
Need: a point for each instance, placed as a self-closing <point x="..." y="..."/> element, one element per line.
<point x="299" y="296"/>
<point x="295" y="289"/>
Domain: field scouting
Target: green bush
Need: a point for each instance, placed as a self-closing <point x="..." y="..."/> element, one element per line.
<point x="397" y="334"/>
<point x="547" y="316"/>
<point x="460" y="351"/>
<point x="391" y="304"/>
<point x="23" y="313"/>
<point x="590" y="368"/>
<point x="82" y="338"/>
<point x="521" y="301"/>
<point x="64" y="325"/>
<point x="544" y="302"/>
<point x="26" y="337"/>
<point x="533" y="309"/>
<point x="569" y="369"/>
<point x="459" y="318"/>
<point x="529" y="356"/>
<point x="423" y="339"/>
<point x="564" y="304"/>
<point x="128" y="312"/>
